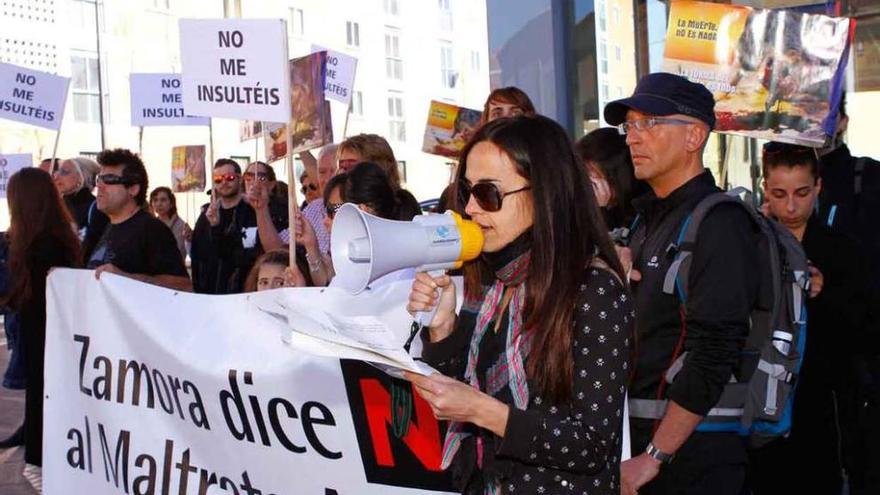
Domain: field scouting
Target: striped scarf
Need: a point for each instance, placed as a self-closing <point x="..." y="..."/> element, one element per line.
<point x="509" y="371"/>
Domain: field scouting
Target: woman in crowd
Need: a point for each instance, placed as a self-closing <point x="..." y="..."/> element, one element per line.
<point x="606" y="155"/>
<point x="309" y="189"/>
<point x="273" y="270"/>
<point x="536" y="363"/>
<point x="507" y="102"/>
<point x="40" y="238"/>
<point x="164" y="205"/>
<point x="75" y="180"/>
<point x="373" y="148"/>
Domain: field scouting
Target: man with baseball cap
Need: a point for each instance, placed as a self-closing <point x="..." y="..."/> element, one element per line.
<point x="667" y="122"/>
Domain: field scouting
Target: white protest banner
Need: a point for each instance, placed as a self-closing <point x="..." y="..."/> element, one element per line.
<point x="338" y="75"/>
<point x="153" y="391"/>
<point x="10" y="164"/>
<point x="235" y="68"/>
<point x="157" y="99"/>
<point x="31" y="96"/>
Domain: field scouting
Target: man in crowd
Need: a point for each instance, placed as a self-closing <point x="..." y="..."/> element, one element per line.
<point x="825" y="396"/>
<point x="135" y="244"/>
<point x="226" y="242"/>
<point x="314" y="213"/>
<point x="850" y="203"/>
<point x="667" y="122"/>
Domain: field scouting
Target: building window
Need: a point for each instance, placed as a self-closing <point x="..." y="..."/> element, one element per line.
<point x="392" y="7"/>
<point x="160" y="4"/>
<point x="352" y="34"/>
<point x="445" y="14"/>
<point x="475" y="60"/>
<point x="401" y="170"/>
<point x="600" y="15"/>
<point x="617" y="53"/>
<point x="603" y="58"/>
<point x="605" y="96"/>
<point x="619" y="92"/>
<point x="615" y="15"/>
<point x="83" y="15"/>
<point x="393" y="60"/>
<point x="447" y="65"/>
<point x="356" y="107"/>
<point x="396" y="122"/>
<point x="84" y="85"/>
<point x="297" y="22"/>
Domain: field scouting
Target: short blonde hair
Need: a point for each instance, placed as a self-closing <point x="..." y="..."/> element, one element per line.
<point x="373" y="148"/>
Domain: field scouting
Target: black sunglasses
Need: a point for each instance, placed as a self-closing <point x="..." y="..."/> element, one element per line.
<point x="113" y="179"/>
<point x="332" y="208"/>
<point x="309" y="187"/>
<point x="261" y="176"/>
<point x="487" y="194"/>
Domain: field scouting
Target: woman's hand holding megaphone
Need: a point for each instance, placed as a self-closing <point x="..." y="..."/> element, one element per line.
<point x="428" y="292"/>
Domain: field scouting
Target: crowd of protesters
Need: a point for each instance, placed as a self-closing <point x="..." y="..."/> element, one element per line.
<point x="566" y="311"/>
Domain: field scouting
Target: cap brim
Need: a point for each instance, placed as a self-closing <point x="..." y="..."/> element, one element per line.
<point x="615" y="112"/>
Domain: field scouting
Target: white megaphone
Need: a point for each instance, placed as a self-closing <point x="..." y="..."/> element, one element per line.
<point x="365" y="247"/>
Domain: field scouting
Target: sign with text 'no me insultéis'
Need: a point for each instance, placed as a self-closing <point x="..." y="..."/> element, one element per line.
<point x="32" y="97"/>
<point x="157" y="99"/>
<point x="235" y="68"/>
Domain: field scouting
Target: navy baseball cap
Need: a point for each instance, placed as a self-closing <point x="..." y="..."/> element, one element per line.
<point x="663" y="94"/>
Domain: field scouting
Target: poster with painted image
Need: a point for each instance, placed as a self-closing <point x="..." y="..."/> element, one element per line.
<point x="310" y="126"/>
<point x="250" y="129"/>
<point x="9" y="165"/>
<point x="449" y="128"/>
<point x="775" y="74"/>
<point x="188" y="168"/>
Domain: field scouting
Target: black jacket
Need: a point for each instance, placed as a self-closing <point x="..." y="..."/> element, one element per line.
<point x="90" y="221"/>
<point x="220" y="260"/>
<point x="713" y="325"/>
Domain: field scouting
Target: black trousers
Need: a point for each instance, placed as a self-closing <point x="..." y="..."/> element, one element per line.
<point x="707" y="464"/>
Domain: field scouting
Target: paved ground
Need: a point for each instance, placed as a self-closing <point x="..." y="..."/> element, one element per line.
<point x="11" y="414"/>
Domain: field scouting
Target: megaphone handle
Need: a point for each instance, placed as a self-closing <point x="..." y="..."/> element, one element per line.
<point x="421" y="317"/>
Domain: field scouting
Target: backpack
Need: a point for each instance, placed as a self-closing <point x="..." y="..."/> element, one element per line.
<point x="758" y="400"/>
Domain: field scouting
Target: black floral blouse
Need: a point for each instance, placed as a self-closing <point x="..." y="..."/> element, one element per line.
<point x="548" y="448"/>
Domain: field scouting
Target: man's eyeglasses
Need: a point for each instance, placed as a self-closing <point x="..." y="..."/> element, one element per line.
<point x="332" y="208"/>
<point x="308" y="187"/>
<point x="487" y="194"/>
<point x="221" y="178"/>
<point x="649" y="123"/>
<point x="260" y="176"/>
<point x="113" y="179"/>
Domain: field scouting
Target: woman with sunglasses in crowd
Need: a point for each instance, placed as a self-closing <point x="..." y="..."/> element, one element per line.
<point x="40" y="238"/>
<point x="534" y="367"/>
<point x="75" y="180"/>
<point x="309" y="190"/>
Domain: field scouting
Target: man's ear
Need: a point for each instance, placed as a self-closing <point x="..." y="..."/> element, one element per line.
<point x="696" y="137"/>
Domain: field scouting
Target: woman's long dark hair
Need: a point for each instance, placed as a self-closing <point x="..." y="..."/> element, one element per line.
<point x="567" y="234"/>
<point x="36" y="210"/>
<point x="368" y="184"/>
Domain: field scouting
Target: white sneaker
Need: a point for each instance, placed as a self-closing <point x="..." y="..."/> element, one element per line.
<point x="34" y="475"/>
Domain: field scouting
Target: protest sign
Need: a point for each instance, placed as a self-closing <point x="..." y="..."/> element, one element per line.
<point x="157" y="99"/>
<point x="156" y="391"/>
<point x="338" y="75"/>
<point x="235" y="68"/>
<point x="188" y="168"/>
<point x="310" y="126"/>
<point x="9" y="165"/>
<point x="775" y="74"/>
<point x="250" y="129"/>
<point x="32" y="97"/>
<point x="449" y="128"/>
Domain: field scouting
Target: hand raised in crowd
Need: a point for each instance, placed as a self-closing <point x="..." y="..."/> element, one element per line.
<point x="293" y="277"/>
<point x="305" y="234"/>
<point x="213" y="212"/>
<point x="258" y="196"/>
<point x="601" y="189"/>
<point x="429" y="292"/>
<point x="108" y="268"/>
<point x="816" y="281"/>
<point x="636" y="472"/>
<point x="625" y="255"/>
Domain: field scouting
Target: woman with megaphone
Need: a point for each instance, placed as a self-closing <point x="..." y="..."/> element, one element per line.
<point x="533" y="369"/>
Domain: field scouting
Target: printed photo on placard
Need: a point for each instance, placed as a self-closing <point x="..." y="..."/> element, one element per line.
<point x="249" y="129"/>
<point x="449" y="128"/>
<point x="188" y="168"/>
<point x="775" y="74"/>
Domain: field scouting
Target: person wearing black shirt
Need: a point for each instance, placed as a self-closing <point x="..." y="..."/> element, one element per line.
<point x="227" y="237"/>
<point x="75" y="179"/>
<point x="135" y="244"/>
<point x="667" y="122"/>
